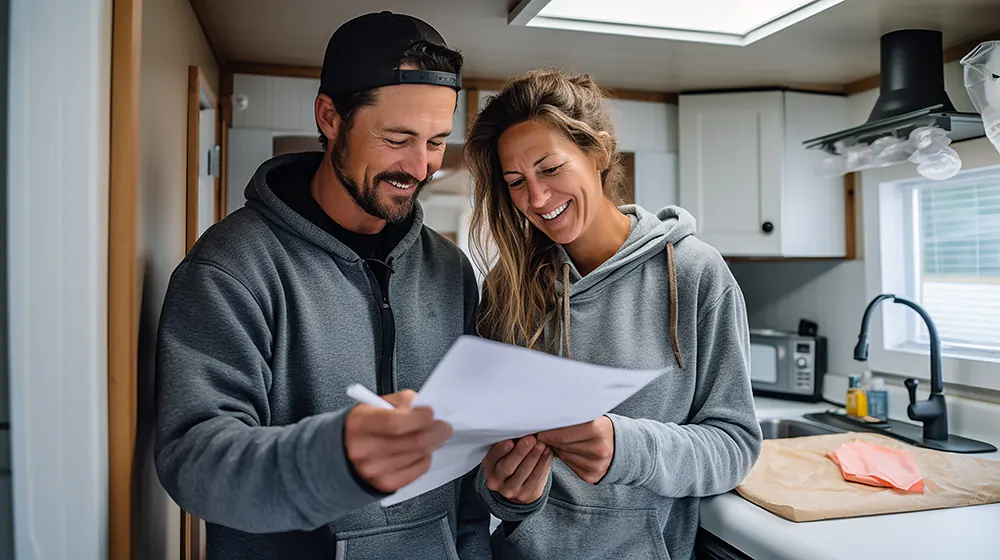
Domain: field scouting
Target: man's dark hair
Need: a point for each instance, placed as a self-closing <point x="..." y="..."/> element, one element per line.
<point x="423" y="55"/>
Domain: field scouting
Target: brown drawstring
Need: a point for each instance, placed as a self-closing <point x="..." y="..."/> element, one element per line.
<point x="672" y="312"/>
<point x="565" y="336"/>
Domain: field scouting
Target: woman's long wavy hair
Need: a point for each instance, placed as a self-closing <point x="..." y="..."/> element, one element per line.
<point x="519" y="291"/>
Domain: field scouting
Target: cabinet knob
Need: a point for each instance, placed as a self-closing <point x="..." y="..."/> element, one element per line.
<point x="767" y="227"/>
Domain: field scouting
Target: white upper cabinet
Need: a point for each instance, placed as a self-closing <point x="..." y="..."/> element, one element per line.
<point x="750" y="183"/>
<point x="643" y="126"/>
<point x="288" y="104"/>
<point x="275" y="103"/>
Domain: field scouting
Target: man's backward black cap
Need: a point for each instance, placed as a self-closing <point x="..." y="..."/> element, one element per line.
<point x="364" y="53"/>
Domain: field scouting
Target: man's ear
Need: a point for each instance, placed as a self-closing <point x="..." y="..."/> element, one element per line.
<point x="327" y="118"/>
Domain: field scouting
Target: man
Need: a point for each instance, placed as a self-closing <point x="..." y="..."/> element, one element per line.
<point x="327" y="277"/>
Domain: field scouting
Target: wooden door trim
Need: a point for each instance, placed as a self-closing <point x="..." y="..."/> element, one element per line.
<point x="225" y="121"/>
<point x="196" y="83"/>
<point x="191" y="533"/>
<point x="123" y="294"/>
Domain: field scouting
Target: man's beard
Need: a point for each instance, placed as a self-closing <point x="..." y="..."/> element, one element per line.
<point x="366" y="196"/>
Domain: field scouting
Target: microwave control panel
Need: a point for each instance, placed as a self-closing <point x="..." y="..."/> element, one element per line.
<point x="803" y="358"/>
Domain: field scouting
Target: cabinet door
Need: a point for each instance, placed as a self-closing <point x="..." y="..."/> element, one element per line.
<point x="258" y="92"/>
<point x="286" y="103"/>
<point x="640" y="125"/>
<point x="731" y="169"/>
<point x="655" y="180"/>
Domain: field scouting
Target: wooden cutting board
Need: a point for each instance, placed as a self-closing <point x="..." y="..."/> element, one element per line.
<point x="794" y="479"/>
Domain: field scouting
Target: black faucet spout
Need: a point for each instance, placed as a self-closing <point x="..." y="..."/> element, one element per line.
<point x="937" y="383"/>
<point x="861" y="350"/>
<point x="933" y="411"/>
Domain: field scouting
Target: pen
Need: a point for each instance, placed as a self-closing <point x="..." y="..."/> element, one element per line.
<point x="361" y="394"/>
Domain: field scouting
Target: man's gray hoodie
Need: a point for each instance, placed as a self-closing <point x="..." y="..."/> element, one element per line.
<point x="265" y="323"/>
<point x="665" y="300"/>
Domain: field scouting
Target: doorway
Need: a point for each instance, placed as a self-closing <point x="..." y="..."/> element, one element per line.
<point x="204" y="163"/>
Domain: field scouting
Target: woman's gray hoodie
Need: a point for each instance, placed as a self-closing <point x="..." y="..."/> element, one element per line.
<point x="664" y="300"/>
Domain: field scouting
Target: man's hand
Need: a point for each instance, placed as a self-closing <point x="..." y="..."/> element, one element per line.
<point x="518" y="472"/>
<point x="391" y="448"/>
<point x="585" y="448"/>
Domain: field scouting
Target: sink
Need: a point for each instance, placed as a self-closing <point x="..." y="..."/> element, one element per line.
<point x="780" y="428"/>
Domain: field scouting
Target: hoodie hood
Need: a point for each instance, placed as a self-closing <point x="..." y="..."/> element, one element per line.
<point x="648" y="236"/>
<point x="277" y="173"/>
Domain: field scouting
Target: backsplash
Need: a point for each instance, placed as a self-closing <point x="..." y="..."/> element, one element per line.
<point x="830" y="293"/>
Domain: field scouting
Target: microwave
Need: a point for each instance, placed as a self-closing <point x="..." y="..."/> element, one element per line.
<point x="787" y="365"/>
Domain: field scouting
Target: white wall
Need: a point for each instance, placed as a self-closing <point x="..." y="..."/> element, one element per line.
<point x="58" y="114"/>
<point x="172" y="39"/>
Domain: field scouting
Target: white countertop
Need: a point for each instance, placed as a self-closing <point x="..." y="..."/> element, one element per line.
<point x="968" y="532"/>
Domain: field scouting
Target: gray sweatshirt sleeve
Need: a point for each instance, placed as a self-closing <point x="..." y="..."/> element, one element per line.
<point x="504" y="509"/>
<point x="473" y="538"/>
<point x="717" y="448"/>
<point x="215" y="454"/>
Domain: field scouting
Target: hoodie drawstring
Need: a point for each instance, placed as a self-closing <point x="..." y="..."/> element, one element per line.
<point x="565" y="328"/>
<point x="672" y="315"/>
<point x="672" y="312"/>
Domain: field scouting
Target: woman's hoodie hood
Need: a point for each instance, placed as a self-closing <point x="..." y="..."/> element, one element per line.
<point x="649" y="235"/>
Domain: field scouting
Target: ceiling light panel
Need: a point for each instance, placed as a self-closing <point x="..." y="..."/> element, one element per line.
<point x="731" y="22"/>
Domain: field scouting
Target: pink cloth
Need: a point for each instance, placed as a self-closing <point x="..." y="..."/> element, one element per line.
<point x="875" y="465"/>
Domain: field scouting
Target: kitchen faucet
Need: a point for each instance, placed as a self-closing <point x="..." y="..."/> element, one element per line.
<point x="932" y="412"/>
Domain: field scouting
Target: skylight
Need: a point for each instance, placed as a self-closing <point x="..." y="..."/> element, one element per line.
<point x="730" y="22"/>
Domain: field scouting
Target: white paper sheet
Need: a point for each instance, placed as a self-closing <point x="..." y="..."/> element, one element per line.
<point x="490" y="392"/>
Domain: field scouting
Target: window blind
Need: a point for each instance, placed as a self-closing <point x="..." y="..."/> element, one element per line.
<point x="958" y="239"/>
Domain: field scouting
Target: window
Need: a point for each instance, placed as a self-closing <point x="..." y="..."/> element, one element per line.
<point x="936" y="243"/>
<point x="954" y="259"/>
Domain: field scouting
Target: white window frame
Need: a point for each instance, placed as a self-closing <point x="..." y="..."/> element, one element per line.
<point x="886" y="248"/>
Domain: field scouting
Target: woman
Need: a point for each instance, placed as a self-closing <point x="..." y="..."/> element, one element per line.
<point x="579" y="276"/>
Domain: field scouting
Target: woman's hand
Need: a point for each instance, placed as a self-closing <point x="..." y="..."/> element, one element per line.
<point x="518" y="471"/>
<point x="585" y="448"/>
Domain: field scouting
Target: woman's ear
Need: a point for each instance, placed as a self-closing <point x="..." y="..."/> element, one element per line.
<point x="604" y="162"/>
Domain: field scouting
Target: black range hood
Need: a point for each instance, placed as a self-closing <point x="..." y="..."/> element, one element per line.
<point x="911" y="95"/>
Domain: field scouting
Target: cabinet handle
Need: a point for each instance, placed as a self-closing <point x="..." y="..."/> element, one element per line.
<point x="767" y="227"/>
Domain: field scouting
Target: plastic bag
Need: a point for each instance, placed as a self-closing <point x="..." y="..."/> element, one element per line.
<point x="927" y="146"/>
<point x="981" y="70"/>
<point x="935" y="158"/>
<point x="890" y="150"/>
<point x="857" y="157"/>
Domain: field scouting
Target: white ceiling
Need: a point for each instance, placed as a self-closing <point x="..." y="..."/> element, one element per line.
<point x="837" y="46"/>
